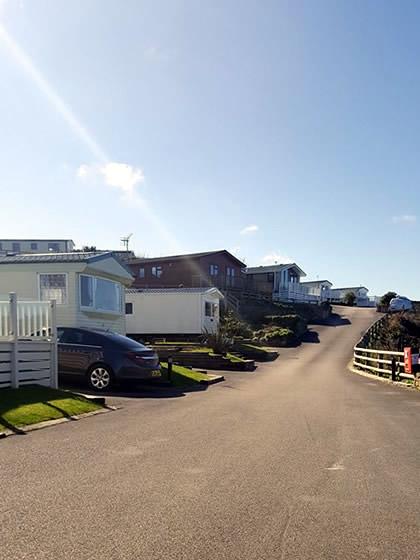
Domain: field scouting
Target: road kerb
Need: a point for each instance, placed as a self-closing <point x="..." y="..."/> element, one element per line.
<point x="213" y="379"/>
<point x="48" y="423"/>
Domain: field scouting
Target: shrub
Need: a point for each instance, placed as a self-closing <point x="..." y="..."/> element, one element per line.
<point x="400" y="330"/>
<point x="386" y="299"/>
<point x="349" y="299"/>
<point x="234" y="327"/>
<point x="274" y="336"/>
<point x="294" y="322"/>
<point x="219" y="341"/>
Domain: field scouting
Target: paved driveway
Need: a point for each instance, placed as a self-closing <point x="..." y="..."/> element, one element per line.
<point x="299" y="460"/>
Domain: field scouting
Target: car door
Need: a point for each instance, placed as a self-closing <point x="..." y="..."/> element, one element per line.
<point x="64" y="351"/>
<point x="73" y="355"/>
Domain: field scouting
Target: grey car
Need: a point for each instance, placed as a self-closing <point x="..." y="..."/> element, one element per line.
<point x="104" y="358"/>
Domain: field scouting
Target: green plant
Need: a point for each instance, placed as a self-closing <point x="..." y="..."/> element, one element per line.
<point x="349" y="299"/>
<point x="275" y="336"/>
<point x="32" y="404"/>
<point x="294" y="322"/>
<point x="220" y="342"/>
<point x="234" y="327"/>
<point x="399" y="330"/>
<point x="386" y="299"/>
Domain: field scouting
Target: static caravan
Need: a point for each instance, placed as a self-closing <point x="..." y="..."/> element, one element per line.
<point x="89" y="288"/>
<point x="166" y="311"/>
<point x="337" y="295"/>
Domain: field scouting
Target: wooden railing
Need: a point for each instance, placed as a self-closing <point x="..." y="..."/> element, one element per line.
<point x="385" y="363"/>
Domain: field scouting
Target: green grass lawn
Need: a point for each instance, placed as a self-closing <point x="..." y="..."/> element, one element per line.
<point x="182" y="376"/>
<point x="33" y="404"/>
<point x="234" y="358"/>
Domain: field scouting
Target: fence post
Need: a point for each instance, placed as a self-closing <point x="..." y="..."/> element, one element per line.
<point x="170" y="362"/>
<point x="14" y="363"/>
<point x="393" y="368"/>
<point x="54" y="349"/>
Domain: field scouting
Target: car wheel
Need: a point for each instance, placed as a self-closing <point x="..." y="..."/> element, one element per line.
<point x="100" y="378"/>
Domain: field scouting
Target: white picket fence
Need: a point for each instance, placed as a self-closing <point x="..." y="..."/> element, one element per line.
<point x="28" y="343"/>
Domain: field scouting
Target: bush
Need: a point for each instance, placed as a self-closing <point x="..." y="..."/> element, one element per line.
<point x="349" y="299"/>
<point x="386" y="299"/>
<point x="274" y="336"/>
<point x="294" y="322"/>
<point x="234" y="327"/>
<point x="400" y="330"/>
<point x="219" y="341"/>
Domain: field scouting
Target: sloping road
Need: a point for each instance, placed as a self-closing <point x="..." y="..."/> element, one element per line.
<point x="300" y="460"/>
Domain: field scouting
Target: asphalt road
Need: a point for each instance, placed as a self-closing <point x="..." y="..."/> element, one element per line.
<point x="299" y="460"/>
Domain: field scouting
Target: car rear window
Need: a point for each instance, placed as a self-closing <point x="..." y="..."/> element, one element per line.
<point x="124" y="341"/>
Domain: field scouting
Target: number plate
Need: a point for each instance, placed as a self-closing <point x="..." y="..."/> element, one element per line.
<point x="156" y="373"/>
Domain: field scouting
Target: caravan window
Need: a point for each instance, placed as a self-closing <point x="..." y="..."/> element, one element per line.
<point x="98" y="294"/>
<point x="210" y="309"/>
<point x="53" y="286"/>
<point x="129" y="308"/>
<point x="157" y="271"/>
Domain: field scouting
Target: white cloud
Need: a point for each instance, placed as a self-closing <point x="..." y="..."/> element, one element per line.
<point x="404" y="219"/>
<point x="249" y="229"/>
<point x="122" y="176"/>
<point x="275" y="258"/>
<point x="83" y="171"/>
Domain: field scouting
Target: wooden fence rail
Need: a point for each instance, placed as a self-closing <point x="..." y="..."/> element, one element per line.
<point x="376" y="360"/>
<point x="380" y="362"/>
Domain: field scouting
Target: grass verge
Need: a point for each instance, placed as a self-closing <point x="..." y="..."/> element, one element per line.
<point x="182" y="376"/>
<point x="33" y="403"/>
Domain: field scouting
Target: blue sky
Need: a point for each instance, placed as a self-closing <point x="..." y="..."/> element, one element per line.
<point x="278" y="130"/>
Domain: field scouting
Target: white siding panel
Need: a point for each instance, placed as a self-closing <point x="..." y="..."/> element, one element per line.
<point x="101" y="321"/>
<point x="23" y="279"/>
<point x="166" y="313"/>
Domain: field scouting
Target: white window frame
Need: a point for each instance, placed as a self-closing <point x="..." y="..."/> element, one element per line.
<point x="213" y="269"/>
<point x="156" y="267"/>
<point x="141" y="275"/>
<point x="94" y="309"/>
<point x="65" y="274"/>
<point x="213" y="309"/>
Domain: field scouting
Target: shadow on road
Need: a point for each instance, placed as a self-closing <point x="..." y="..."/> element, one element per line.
<point x="311" y="336"/>
<point x="337" y="321"/>
<point x="137" y="391"/>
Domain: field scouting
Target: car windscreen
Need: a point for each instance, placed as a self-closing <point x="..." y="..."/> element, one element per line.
<point x="124" y="341"/>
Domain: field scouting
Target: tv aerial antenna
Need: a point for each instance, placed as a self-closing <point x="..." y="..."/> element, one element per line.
<point x="126" y="240"/>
